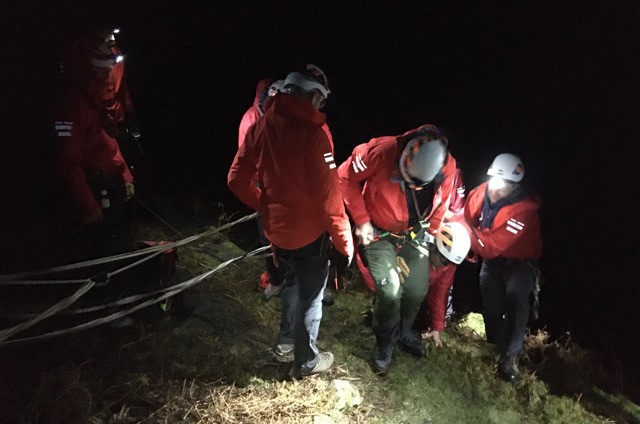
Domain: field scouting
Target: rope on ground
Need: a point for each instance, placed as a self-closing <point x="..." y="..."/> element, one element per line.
<point x="43" y="282"/>
<point x="94" y="323"/>
<point x="64" y="303"/>
<point x="121" y="302"/>
<point x="9" y="278"/>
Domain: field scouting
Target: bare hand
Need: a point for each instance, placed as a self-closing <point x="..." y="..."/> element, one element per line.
<point x="365" y="233"/>
<point x="434" y="336"/>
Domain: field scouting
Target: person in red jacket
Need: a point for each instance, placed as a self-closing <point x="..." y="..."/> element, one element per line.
<point x="505" y="232"/>
<point x="256" y="110"/>
<point x="271" y="280"/>
<point x="390" y="185"/>
<point x="90" y="164"/>
<point x="113" y="94"/>
<point x="300" y="204"/>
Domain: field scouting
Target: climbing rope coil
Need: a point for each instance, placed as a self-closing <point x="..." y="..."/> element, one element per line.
<point x="88" y="283"/>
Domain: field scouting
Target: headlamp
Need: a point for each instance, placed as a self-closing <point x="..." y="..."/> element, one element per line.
<point x="496" y="183"/>
<point x="108" y="61"/>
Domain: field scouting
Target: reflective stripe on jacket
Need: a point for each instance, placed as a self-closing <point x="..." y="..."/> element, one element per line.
<point x="382" y="200"/>
<point x="515" y="233"/>
<point x="84" y="147"/>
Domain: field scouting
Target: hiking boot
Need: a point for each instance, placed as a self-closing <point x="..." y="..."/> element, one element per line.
<point x="382" y="358"/>
<point x="325" y="361"/>
<point x="411" y="344"/>
<point x="283" y="353"/>
<point x="508" y="368"/>
<point x="272" y="291"/>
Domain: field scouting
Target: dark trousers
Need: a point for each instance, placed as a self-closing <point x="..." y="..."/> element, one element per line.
<point x="396" y="305"/>
<point x="505" y="289"/>
<point x="306" y="270"/>
<point x="276" y="274"/>
<point x="112" y="235"/>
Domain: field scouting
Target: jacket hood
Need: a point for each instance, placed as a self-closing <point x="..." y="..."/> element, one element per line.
<point x="77" y="57"/>
<point x="287" y="104"/>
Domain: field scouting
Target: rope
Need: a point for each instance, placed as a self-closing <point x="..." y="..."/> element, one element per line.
<point x="64" y="303"/>
<point x="7" y="279"/>
<point x="173" y="291"/>
<point x="43" y="282"/>
<point x="120" y="302"/>
<point x="157" y="216"/>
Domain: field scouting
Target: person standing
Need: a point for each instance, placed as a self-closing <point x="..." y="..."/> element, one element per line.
<point x="299" y="200"/>
<point x="270" y="280"/>
<point x="392" y="185"/>
<point x="504" y="221"/>
<point x="113" y="94"/>
<point x="89" y="163"/>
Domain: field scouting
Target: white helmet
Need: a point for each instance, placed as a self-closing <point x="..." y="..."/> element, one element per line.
<point x="508" y="167"/>
<point x="453" y="242"/>
<point x="422" y="159"/>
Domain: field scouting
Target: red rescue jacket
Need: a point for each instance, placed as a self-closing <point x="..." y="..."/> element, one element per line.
<point x="299" y="190"/>
<point x="113" y="95"/>
<point x="515" y="233"/>
<point x="382" y="200"/>
<point x="84" y="147"/>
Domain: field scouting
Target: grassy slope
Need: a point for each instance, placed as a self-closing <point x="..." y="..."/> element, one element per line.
<point x="211" y="364"/>
<point x="452" y="385"/>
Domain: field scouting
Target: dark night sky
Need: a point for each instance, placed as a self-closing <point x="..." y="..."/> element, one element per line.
<point x="555" y="82"/>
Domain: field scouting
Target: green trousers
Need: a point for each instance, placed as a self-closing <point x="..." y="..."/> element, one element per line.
<point x="396" y="305"/>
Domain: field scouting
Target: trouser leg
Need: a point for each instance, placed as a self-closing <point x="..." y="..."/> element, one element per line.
<point x="415" y="286"/>
<point x="302" y="297"/>
<point x="381" y="259"/>
<point x="520" y="283"/>
<point x="288" y="305"/>
<point x="492" y="291"/>
<point x="313" y="279"/>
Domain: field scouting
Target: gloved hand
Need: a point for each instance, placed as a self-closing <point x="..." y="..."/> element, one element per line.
<point x="130" y="190"/>
<point x="403" y="269"/>
<point x="433" y="335"/>
<point x="365" y="233"/>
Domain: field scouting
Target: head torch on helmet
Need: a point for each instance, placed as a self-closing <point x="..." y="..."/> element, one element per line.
<point x="104" y="56"/>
